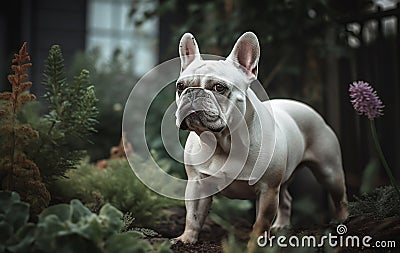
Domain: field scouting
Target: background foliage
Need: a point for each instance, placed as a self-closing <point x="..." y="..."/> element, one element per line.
<point x="36" y="145"/>
<point x="116" y="184"/>
<point x="294" y="35"/>
<point x="113" y="81"/>
<point x="69" y="119"/>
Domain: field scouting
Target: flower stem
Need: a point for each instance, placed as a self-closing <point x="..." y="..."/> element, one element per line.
<point x="382" y="157"/>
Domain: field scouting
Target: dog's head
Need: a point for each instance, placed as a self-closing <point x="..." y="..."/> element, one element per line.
<point x="211" y="94"/>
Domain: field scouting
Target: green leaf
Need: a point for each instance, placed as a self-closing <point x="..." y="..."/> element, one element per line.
<point x="73" y="243"/>
<point x="114" y="216"/>
<point x="92" y="229"/>
<point x="26" y="231"/>
<point x="126" y="243"/>
<point x="6" y="232"/>
<point x="25" y="238"/>
<point x="62" y="211"/>
<point x="7" y="199"/>
<point x="79" y="210"/>
<point x="52" y="225"/>
<point x="47" y="230"/>
<point x="18" y="215"/>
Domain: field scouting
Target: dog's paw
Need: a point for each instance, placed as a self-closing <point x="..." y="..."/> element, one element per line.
<point x="279" y="226"/>
<point x="183" y="239"/>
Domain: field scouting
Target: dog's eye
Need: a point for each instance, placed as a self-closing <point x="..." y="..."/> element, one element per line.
<point x="180" y="86"/>
<point x="219" y="87"/>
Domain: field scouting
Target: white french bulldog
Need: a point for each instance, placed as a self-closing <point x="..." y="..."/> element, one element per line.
<point x="245" y="148"/>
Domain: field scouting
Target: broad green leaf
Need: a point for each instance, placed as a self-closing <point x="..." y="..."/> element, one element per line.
<point x="47" y="230"/>
<point x="25" y="240"/>
<point x="7" y="199"/>
<point x="113" y="215"/>
<point x="18" y="215"/>
<point x="26" y="231"/>
<point x="62" y="211"/>
<point x="74" y="243"/>
<point x="78" y="210"/>
<point x="92" y="229"/>
<point x="6" y="232"/>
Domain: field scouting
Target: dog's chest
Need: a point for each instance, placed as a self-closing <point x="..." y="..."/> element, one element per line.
<point x="227" y="167"/>
<point x="240" y="189"/>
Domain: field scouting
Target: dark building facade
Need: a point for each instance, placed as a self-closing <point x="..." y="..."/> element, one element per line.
<point x="41" y="23"/>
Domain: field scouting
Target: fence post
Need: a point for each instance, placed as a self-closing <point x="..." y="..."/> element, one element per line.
<point x="332" y="81"/>
<point x="397" y="95"/>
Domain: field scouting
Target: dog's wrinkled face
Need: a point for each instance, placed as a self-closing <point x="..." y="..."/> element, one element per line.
<point x="212" y="94"/>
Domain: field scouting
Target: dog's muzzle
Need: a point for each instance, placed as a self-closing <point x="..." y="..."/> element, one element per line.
<point x="198" y="109"/>
<point x="197" y="118"/>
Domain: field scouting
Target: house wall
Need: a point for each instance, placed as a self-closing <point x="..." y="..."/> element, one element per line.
<point x="42" y="23"/>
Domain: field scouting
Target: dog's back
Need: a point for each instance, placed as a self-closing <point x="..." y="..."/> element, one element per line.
<point x="317" y="135"/>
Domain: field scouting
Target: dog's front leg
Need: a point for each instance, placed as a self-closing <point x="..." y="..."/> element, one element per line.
<point x="196" y="212"/>
<point x="267" y="204"/>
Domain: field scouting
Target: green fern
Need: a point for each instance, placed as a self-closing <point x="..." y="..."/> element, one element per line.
<point x="72" y="105"/>
<point x="70" y="119"/>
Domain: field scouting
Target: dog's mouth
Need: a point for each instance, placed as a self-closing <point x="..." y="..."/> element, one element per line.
<point x="201" y="121"/>
<point x="199" y="111"/>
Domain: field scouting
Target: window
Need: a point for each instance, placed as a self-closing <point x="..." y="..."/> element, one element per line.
<point x="109" y="28"/>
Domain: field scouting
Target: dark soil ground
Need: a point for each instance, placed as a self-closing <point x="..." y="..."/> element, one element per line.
<point x="210" y="237"/>
<point x="212" y="234"/>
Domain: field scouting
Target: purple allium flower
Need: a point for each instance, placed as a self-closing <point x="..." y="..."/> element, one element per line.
<point x="365" y="100"/>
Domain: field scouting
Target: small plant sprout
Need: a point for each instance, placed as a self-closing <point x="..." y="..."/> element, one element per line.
<point x="366" y="102"/>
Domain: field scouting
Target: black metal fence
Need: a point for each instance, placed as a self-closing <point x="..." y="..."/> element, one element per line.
<point x="374" y="57"/>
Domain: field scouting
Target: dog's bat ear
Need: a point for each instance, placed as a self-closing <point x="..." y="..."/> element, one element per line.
<point x="246" y="52"/>
<point x="188" y="50"/>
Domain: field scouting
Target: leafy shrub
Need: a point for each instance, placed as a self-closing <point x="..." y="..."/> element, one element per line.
<point x="17" y="171"/>
<point x="66" y="228"/>
<point x="383" y="202"/>
<point x="116" y="184"/>
<point x="70" y="118"/>
<point x="36" y="147"/>
<point x="113" y="82"/>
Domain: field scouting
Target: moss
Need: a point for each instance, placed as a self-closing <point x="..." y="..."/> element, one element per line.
<point x="383" y="202"/>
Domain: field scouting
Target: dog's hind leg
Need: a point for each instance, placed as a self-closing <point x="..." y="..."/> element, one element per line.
<point x="332" y="179"/>
<point x="282" y="219"/>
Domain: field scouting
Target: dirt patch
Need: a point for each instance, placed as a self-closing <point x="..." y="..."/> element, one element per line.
<point x="212" y="234"/>
<point x="201" y="247"/>
<point x="173" y="225"/>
